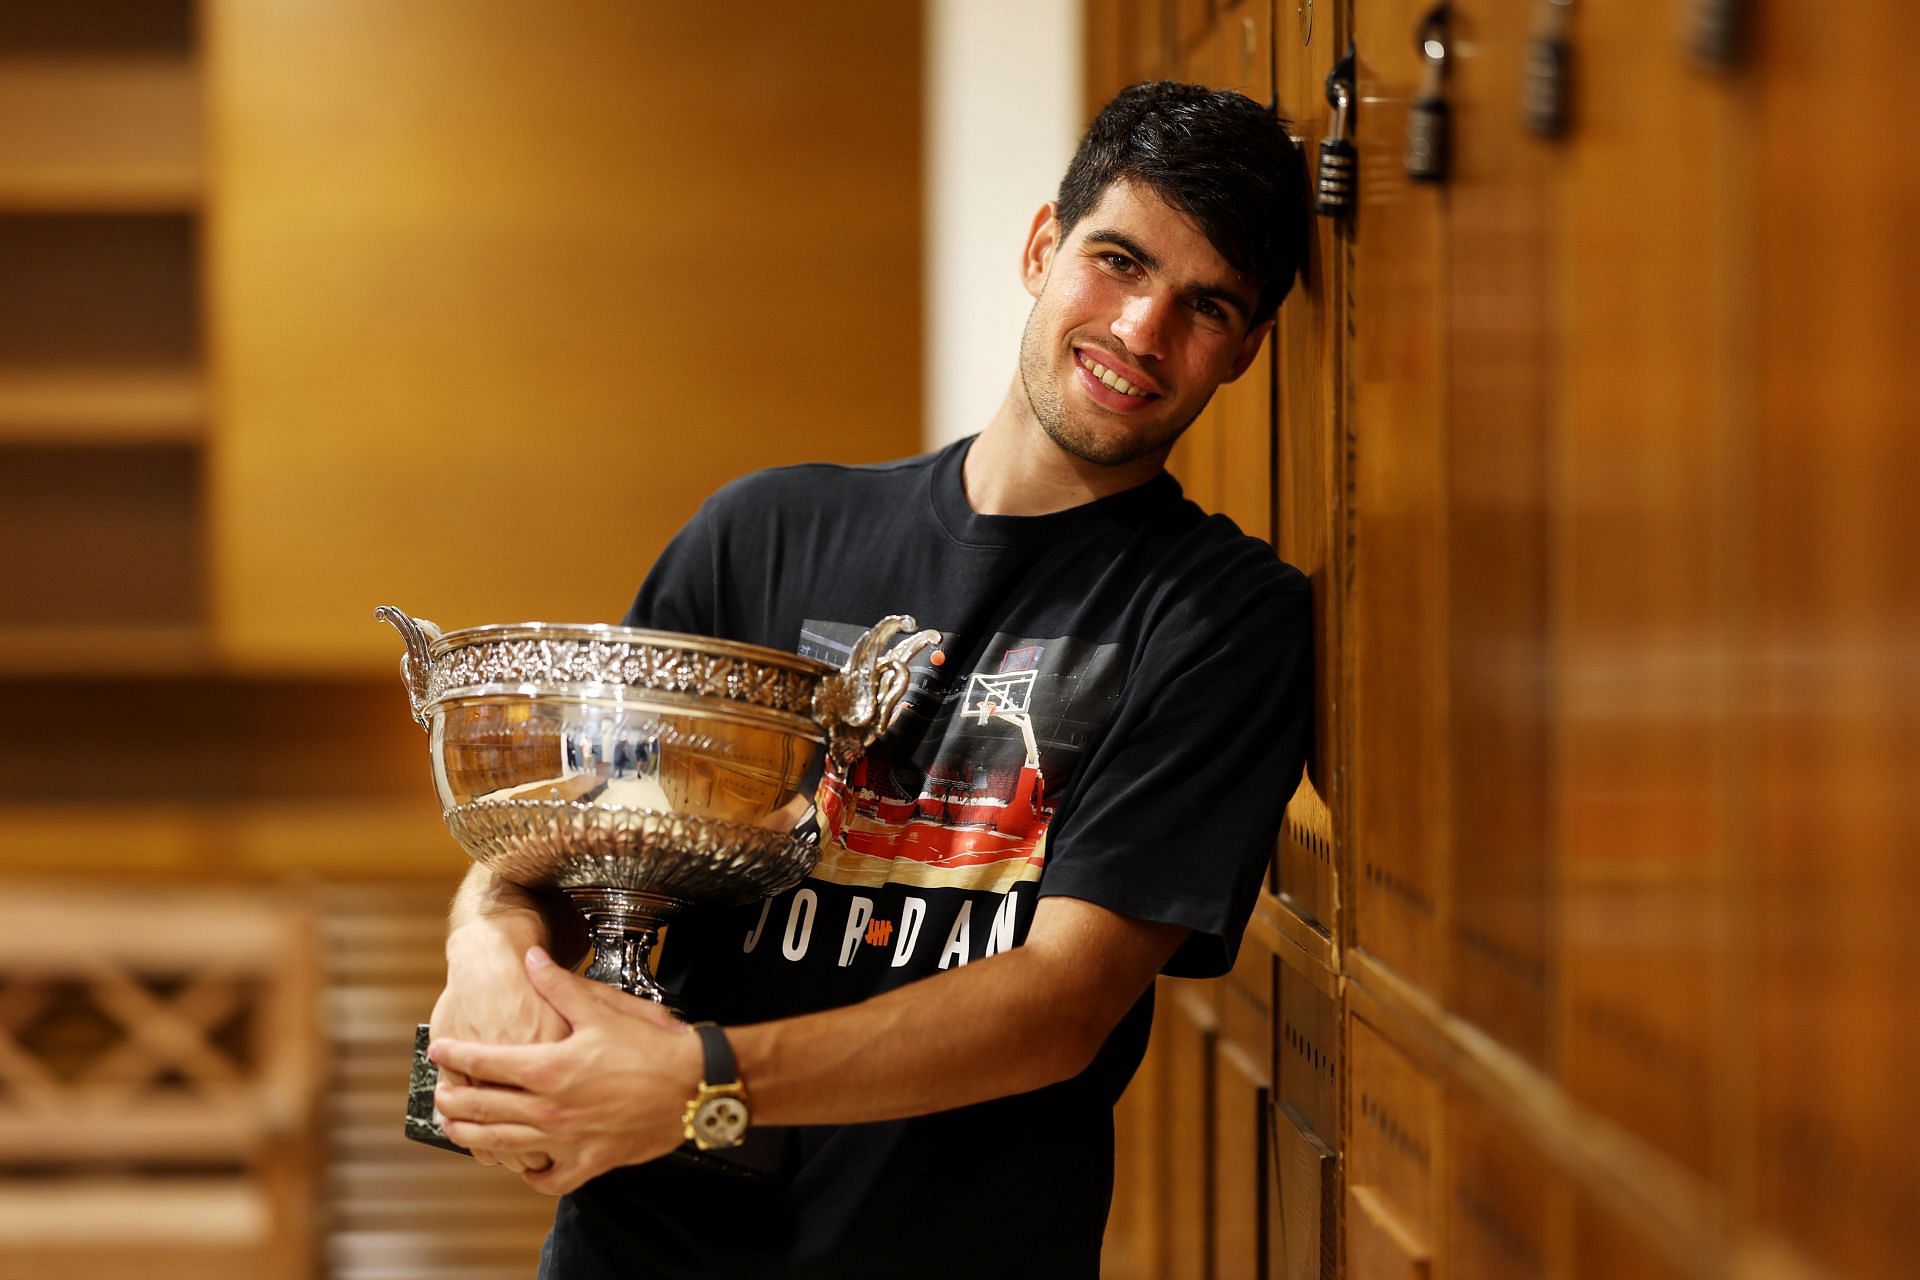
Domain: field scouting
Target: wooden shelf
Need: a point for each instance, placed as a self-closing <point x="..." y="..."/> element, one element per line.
<point x="149" y="406"/>
<point x="93" y="129"/>
<point x="366" y="839"/>
<point x="161" y="648"/>
<point x="101" y="188"/>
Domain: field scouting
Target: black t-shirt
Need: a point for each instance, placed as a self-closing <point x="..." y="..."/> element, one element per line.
<point x="1117" y="710"/>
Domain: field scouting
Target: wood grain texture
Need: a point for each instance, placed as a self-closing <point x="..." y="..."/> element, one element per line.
<point x="502" y="295"/>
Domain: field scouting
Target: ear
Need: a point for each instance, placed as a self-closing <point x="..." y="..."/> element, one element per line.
<point x="1249" y="348"/>
<point x="1043" y="237"/>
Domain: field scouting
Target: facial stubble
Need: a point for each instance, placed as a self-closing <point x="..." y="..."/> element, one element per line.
<point x="1087" y="443"/>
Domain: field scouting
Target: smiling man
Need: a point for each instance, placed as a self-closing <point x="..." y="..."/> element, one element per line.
<point x="920" y="1047"/>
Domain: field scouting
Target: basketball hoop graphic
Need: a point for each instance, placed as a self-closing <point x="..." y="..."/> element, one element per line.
<point x="1008" y="695"/>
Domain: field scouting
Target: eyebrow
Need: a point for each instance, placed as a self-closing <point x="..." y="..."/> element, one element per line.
<point x="1133" y="249"/>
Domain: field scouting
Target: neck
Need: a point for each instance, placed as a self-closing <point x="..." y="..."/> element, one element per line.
<point x="1015" y="468"/>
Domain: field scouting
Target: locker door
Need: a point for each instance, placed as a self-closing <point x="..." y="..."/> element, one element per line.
<point x="1396" y="642"/>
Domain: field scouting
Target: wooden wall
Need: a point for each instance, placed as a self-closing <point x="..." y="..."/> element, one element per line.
<point x="463" y="305"/>
<point x="1584" y="955"/>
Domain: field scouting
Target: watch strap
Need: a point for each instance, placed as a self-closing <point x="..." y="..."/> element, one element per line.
<point x="716" y="1055"/>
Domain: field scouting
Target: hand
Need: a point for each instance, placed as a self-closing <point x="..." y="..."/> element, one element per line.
<point x="488" y="998"/>
<point x="611" y="1093"/>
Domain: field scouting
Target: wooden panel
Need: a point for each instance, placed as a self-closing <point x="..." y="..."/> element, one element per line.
<point x="1642" y="614"/>
<point x="1834" y="696"/>
<point x="1394" y="1130"/>
<point x="1303" y="1238"/>
<point x="1378" y="1246"/>
<point x="1399" y="581"/>
<point x="1606" y="1247"/>
<point x="1501" y="1198"/>
<point x="1305" y="862"/>
<point x="1135" y="1247"/>
<point x="1242" y="1094"/>
<point x="1186" y="1030"/>
<point x="1305" y="341"/>
<point x="1497" y="382"/>
<point x="501" y="332"/>
<point x="1307" y="1051"/>
<point x="64" y="273"/>
<point x="1242" y="1100"/>
<point x="99" y="540"/>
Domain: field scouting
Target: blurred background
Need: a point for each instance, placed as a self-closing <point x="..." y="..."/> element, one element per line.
<point x="1586" y="946"/>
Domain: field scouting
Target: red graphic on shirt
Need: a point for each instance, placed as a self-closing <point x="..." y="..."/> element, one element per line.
<point x="978" y="811"/>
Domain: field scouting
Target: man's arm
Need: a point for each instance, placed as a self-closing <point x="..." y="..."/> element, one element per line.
<point x="613" y="1091"/>
<point x="490" y="926"/>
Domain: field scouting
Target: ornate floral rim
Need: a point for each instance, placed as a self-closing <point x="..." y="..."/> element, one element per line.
<point x="684" y="845"/>
<point x="623" y="657"/>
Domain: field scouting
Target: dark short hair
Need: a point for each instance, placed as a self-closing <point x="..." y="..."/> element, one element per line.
<point x="1217" y="156"/>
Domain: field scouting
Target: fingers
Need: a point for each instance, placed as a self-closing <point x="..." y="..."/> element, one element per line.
<point x="559" y="1178"/>
<point x="515" y="1064"/>
<point x="491" y="1106"/>
<point x="500" y="1139"/>
<point x="578" y="999"/>
<point x="581" y="999"/>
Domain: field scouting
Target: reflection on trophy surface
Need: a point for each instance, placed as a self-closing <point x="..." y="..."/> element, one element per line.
<point x="636" y="772"/>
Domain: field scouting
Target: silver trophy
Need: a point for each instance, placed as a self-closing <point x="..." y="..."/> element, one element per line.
<point x="636" y="772"/>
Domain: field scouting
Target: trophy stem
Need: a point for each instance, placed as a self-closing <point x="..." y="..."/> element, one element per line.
<point x="623" y="926"/>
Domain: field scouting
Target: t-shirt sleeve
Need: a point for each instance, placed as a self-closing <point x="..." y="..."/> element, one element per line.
<point x="1174" y="816"/>
<point x="682" y="588"/>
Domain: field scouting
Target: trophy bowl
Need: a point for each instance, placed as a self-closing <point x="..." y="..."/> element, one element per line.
<point x="638" y="771"/>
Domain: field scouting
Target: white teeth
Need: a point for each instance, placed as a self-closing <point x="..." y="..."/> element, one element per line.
<point x="1111" y="378"/>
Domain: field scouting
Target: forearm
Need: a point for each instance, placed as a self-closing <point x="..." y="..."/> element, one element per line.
<point x="525" y="918"/>
<point x="995" y="1027"/>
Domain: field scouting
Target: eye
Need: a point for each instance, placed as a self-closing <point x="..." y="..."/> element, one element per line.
<point x="1209" y="308"/>
<point x="1118" y="261"/>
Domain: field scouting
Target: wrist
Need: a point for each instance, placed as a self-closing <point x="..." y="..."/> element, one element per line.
<point x="515" y="928"/>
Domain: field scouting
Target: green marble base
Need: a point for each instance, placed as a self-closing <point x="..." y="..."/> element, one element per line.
<point x="420" y="1125"/>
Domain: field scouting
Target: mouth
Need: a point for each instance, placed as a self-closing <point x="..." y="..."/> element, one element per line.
<point x="1110" y="387"/>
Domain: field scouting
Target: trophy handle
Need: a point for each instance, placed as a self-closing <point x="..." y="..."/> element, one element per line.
<point x="415" y="664"/>
<point x="859" y="703"/>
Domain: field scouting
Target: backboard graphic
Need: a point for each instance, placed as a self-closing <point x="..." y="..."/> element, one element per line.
<point x="1009" y="692"/>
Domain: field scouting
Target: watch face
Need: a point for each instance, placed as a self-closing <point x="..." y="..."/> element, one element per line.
<point x="720" y="1122"/>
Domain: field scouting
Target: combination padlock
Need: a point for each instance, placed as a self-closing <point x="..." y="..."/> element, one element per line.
<point x="1427" y="118"/>
<point x="1339" y="162"/>
<point x="1544" y="90"/>
<point x="1716" y="32"/>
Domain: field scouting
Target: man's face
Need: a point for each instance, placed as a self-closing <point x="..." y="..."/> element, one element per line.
<point x="1136" y="319"/>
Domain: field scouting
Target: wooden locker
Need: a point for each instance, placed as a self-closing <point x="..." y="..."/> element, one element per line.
<point x="1643" y="609"/>
<point x="1498" y="375"/>
<point x="1833" y="705"/>
<point x="1394" y="1127"/>
<point x="1398" y="570"/>
<point x="1304" y="1193"/>
<point x="1306" y="345"/>
<point x="1135" y="1243"/>
<point x="1187" y="1030"/>
<point x="1379" y="1247"/>
<point x="1243" y="1098"/>
<point x="1609" y="1247"/>
<point x="1502" y="1200"/>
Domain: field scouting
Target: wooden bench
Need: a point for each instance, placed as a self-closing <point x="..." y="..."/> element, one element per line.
<point x="157" y="1055"/>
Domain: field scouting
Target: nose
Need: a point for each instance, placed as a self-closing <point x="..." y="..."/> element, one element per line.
<point x="1142" y="324"/>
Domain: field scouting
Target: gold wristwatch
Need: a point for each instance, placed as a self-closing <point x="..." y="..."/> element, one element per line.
<point x="717" y="1115"/>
